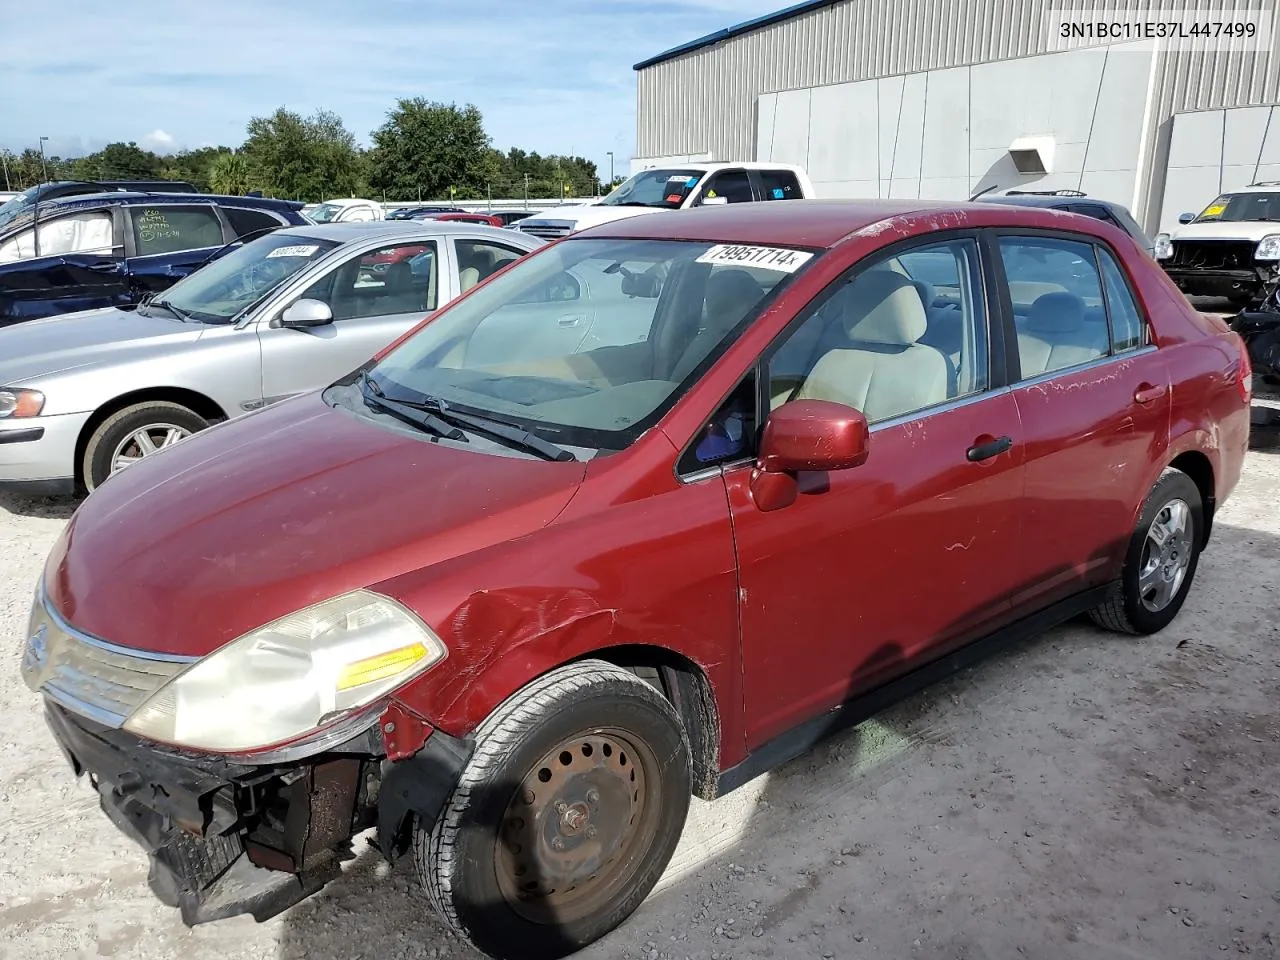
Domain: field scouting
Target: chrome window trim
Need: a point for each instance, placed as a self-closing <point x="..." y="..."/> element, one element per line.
<point x="955" y="403"/>
<point x="1088" y="365"/>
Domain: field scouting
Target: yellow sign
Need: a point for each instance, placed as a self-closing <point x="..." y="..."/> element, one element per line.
<point x="1214" y="210"/>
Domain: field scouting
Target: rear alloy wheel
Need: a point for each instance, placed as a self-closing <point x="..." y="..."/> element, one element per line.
<point x="1161" y="562"/>
<point x="136" y="432"/>
<point x="565" y="816"/>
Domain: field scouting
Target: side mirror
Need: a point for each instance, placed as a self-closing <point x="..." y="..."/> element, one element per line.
<point x="1186" y="218"/>
<point x="806" y="435"/>
<point x="814" y="435"/>
<point x="306" y="313"/>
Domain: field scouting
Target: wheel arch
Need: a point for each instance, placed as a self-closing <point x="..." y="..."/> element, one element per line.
<point x="1197" y="465"/>
<point x="688" y="689"/>
<point x="198" y="402"/>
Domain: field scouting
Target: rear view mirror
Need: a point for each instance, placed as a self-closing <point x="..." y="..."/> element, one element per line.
<point x="1186" y="218"/>
<point x="806" y="435"/>
<point x="306" y="313"/>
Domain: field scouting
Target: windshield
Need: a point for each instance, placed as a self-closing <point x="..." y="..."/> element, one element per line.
<point x="1239" y="207"/>
<point x="229" y="285"/>
<point x="14" y="206"/>
<point x="324" y="212"/>
<point x="655" y="188"/>
<point x="588" y="343"/>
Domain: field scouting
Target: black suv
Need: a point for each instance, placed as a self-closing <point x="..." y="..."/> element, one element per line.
<point x="85" y="251"/>
<point x="1074" y="201"/>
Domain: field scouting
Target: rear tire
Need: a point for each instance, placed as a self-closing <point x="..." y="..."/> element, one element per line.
<point x="565" y="816"/>
<point x="126" y="433"/>
<point x="1156" y="578"/>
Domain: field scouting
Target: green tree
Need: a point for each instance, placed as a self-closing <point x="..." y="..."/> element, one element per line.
<point x="312" y="158"/>
<point x="119" y="161"/>
<point x="435" y="150"/>
<point x="195" y="166"/>
<point x="27" y="169"/>
<point x="550" y="176"/>
<point x="229" y="174"/>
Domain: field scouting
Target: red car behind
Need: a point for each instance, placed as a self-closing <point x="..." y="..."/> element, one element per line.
<point x="638" y="518"/>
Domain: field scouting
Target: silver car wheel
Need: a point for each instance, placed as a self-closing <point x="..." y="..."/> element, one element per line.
<point x="1166" y="555"/>
<point x="145" y="441"/>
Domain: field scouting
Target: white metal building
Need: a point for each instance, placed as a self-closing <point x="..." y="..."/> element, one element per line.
<point x="941" y="98"/>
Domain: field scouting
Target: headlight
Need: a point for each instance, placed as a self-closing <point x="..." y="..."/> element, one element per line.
<point x="309" y="670"/>
<point x="1268" y="248"/>
<point x="1163" y="246"/>
<point x="20" y="403"/>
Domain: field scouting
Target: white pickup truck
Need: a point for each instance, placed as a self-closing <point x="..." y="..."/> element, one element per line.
<point x="677" y="187"/>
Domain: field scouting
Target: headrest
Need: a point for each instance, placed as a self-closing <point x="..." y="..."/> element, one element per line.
<point x="926" y="291"/>
<point x="730" y="294"/>
<point x="398" y="274"/>
<point x="1056" y="312"/>
<point x="884" y="307"/>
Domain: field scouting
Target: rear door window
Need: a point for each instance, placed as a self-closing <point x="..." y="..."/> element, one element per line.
<point x="732" y="186"/>
<point x="779" y="185"/>
<point x="160" y="230"/>
<point x="246" y="221"/>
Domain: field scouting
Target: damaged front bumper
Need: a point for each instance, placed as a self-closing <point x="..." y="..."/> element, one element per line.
<point x="227" y="838"/>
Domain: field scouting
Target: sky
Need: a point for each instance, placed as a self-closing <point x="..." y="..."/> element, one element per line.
<point x="553" y="76"/>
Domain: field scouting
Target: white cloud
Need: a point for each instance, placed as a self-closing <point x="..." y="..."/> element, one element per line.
<point x="159" y="141"/>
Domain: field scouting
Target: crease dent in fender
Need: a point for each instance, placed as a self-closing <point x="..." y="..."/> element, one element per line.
<point x="490" y="624"/>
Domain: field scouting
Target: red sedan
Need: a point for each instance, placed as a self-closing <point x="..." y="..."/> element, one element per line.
<point x="482" y="218"/>
<point x="641" y="516"/>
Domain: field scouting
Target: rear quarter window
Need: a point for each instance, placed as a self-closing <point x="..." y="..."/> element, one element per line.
<point x="246" y="221"/>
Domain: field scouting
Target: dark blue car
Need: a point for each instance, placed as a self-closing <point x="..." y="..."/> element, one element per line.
<point x="112" y="249"/>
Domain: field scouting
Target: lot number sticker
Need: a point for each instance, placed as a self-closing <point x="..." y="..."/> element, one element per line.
<point x="298" y="251"/>
<point x="766" y="258"/>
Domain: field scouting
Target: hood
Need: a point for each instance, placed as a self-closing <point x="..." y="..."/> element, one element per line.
<point x="40" y="348"/>
<point x="595" y="214"/>
<point x="263" y="515"/>
<point x="1239" y="230"/>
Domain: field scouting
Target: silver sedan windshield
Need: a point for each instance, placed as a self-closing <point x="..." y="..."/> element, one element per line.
<point x="228" y="286"/>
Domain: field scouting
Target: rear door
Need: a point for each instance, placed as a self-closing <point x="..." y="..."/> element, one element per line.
<point x="1093" y="398"/>
<point x="375" y="295"/>
<point x="80" y="266"/>
<point x="165" y="242"/>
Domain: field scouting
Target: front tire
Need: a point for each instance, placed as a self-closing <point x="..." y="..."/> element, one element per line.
<point x="1161" y="562"/>
<point x="135" y="432"/>
<point x="565" y="816"/>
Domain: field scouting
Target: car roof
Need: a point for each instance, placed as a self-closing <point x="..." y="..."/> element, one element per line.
<point x="723" y="165"/>
<point x="129" y="199"/>
<point x="1041" y="200"/>
<point x="395" y="229"/>
<point x="1267" y="187"/>
<point x="821" y="223"/>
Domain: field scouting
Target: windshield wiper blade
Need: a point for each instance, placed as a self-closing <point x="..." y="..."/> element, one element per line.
<point x="166" y="305"/>
<point x="410" y="413"/>
<point x="494" y="428"/>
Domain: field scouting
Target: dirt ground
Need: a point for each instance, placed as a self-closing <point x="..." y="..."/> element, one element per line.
<point x="1082" y="796"/>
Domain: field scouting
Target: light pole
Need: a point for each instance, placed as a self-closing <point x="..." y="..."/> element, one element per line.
<point x="611" y="170"/>
<point x="44" y="167"/>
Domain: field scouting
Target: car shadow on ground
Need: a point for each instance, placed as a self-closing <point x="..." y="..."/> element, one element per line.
<point x="940" y="828"/>
<point x="52" y="508"/>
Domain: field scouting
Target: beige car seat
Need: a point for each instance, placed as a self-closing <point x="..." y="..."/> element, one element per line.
<point x="1057" y="334"/>
<point x="882" y="369"/>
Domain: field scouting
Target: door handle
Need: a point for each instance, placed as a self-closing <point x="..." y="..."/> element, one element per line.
<point x="1149" y="393"/>
<point x="104" y="267"/>
<point x="989" y="448"/>
<point x="569" y="321"/>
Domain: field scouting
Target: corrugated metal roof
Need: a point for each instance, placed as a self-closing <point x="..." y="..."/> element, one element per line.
<point x="737" y="30"/>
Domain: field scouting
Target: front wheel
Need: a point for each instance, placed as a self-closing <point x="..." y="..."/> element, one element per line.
<point x="1163" y="554"/>
<point x="133" y="433"/>
<point x="564" y="818"/>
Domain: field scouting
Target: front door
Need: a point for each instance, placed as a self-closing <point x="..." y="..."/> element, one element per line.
<point x="80" y="266"/>
<point x="1094" y="400"/>
<point x="884" y="566"/>
<point x="375" y="296"/>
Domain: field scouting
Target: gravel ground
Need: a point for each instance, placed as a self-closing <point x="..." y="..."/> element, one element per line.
<point x="1082" y="796"/>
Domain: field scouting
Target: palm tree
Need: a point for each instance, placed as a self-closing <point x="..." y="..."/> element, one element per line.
<point x="229" y="175"/>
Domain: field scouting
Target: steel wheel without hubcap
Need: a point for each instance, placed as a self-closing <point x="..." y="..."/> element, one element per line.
<point x="569" y="839"/>
<point x="1166" y="555"/>
<point x="145" y="441"/>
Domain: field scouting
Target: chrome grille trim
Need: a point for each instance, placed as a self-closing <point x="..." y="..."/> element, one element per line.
<point x="546" y="229"/>
<point x="99" y="680"/>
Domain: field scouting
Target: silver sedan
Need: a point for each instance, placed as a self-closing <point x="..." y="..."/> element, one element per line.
<point x="84" y="395"/>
